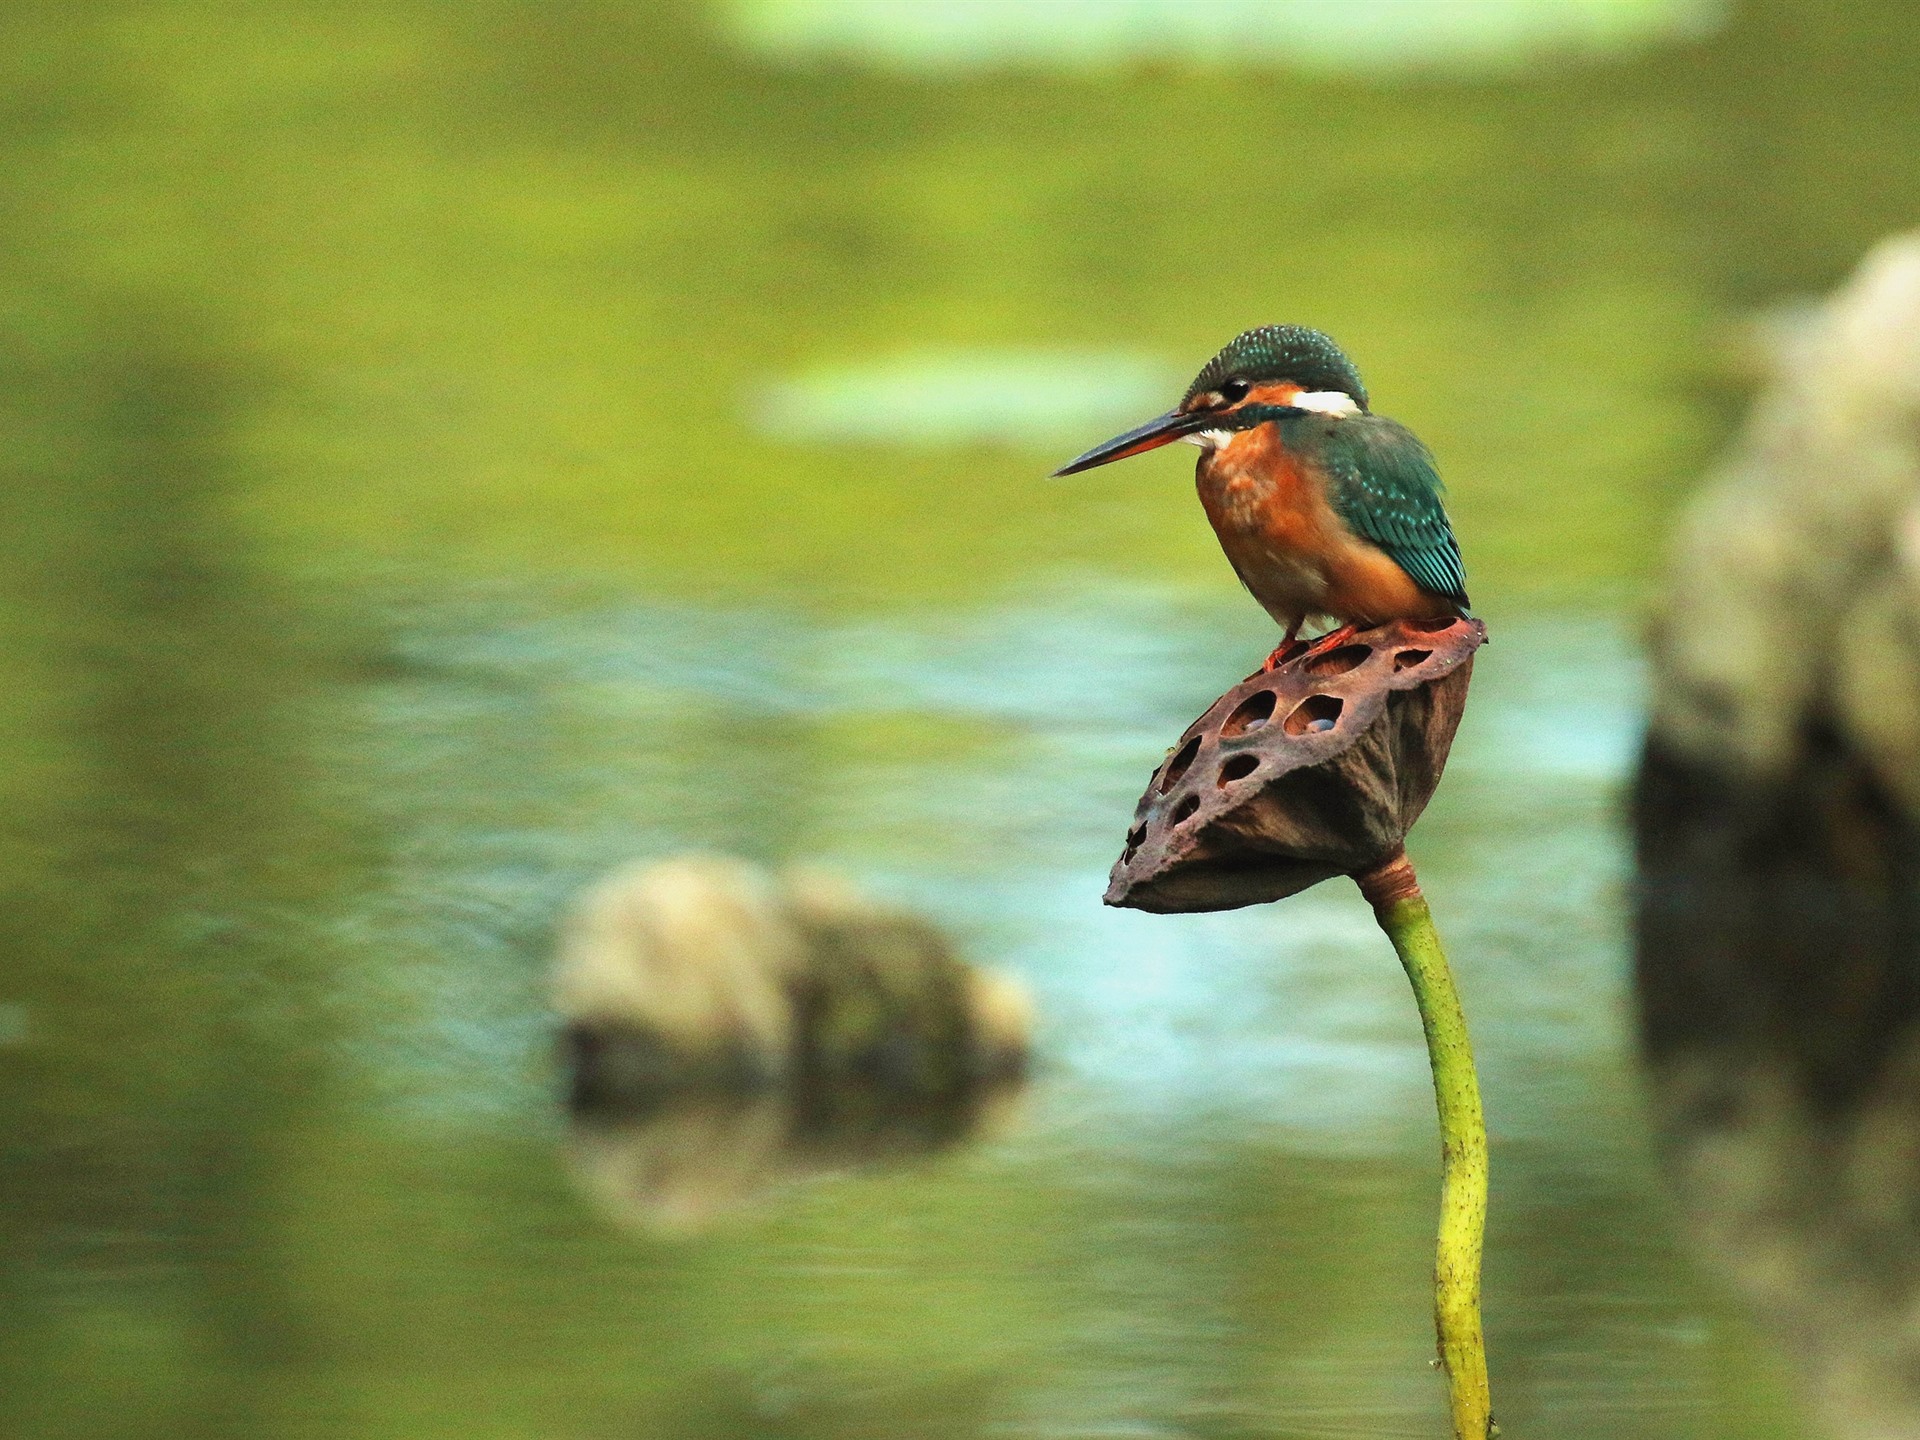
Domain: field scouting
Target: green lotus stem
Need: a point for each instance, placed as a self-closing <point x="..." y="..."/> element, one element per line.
<point x="1394" y="892"/>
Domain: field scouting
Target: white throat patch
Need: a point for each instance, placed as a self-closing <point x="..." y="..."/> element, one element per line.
<point x="1326" y="402"/>
<point x="1209" y="439"/>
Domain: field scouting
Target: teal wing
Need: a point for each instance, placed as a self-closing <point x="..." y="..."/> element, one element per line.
<point x="1383" y="483"/>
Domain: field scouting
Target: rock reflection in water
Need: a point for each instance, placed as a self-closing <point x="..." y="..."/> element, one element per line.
<point x="726" y="1030"/>
<point x="694" y="1156"/>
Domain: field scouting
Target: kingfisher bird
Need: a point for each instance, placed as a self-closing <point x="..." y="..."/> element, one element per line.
<point x="1323" y="507"/>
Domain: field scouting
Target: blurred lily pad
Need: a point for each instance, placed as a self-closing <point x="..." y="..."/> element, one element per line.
<point x="968" y="396"/>
<point x="1324" y="34"/>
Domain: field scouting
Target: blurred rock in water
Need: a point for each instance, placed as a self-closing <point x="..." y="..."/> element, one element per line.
<point x="1778" y="827"/>
<point x="882" y="997"/>
<point x="677" y="973"/>
<point x="704" y="972"/>
<point x="728" y="1031"/>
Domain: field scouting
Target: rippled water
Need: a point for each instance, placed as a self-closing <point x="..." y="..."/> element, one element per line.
<point x="1049" y="718"/>
<point x="1211" y="1214"/>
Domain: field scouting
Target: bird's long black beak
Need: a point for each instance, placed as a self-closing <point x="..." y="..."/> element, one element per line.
<point x="1174" y="425"/>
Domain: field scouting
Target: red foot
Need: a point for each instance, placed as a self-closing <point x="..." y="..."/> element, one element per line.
<point x="1287" y="650"/>
<point x="1291" y="650"/>
<point x="1333" y="639"/>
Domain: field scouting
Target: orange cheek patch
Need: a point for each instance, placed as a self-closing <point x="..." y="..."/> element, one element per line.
<point x="1280" y="392"/>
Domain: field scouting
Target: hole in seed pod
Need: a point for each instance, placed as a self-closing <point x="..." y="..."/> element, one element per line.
<point x="1250" y="714"/>
<point x="1407" y="659"/>
<point x="1434" y="626"/>
<point x="1177" y="766"/>
<point x="1238" y="768"/>
<point x="1183" y="812"/>
<point x="1314" y="714"/>
<point x="1338" y="662"/>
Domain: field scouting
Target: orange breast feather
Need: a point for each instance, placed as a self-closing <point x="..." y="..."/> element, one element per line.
<point x="1290" y="547"/>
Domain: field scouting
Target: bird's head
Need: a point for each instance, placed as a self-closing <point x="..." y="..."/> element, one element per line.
<point x="1262" y="375"/>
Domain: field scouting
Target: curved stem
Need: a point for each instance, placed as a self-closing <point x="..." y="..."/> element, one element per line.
<point x="1394" y="892"/>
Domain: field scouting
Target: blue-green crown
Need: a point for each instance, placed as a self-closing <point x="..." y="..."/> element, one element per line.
<point x="1283" y="352"/>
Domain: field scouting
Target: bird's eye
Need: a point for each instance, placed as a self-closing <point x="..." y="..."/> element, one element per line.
<point x="1234" y="391"/>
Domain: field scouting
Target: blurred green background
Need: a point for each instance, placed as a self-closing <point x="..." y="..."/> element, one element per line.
<point x="452" y="448"/>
